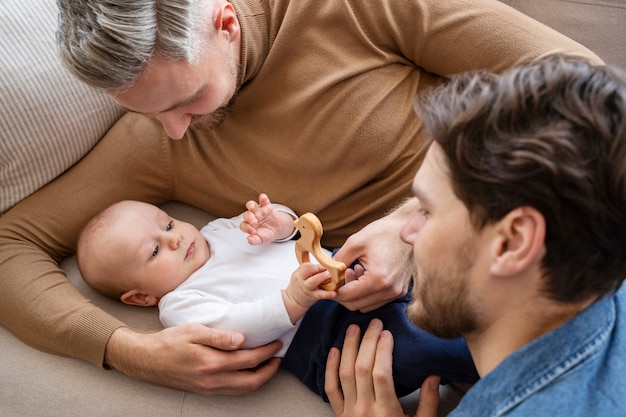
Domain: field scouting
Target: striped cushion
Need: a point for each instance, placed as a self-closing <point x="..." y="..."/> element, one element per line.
<point x="48" y="119"/>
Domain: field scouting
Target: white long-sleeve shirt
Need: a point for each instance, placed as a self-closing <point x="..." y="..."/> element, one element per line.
<point x="238" y="288"/>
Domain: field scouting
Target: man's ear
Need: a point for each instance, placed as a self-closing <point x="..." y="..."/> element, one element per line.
<point x="520" y="241"/>
<point x="226" y="20"/>
<point x="138" y="298"/>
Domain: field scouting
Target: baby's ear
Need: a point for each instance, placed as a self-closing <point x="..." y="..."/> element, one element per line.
<point x="138" y="298"/>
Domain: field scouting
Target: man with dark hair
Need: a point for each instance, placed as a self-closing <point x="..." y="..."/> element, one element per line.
<point x="519" y="245"/>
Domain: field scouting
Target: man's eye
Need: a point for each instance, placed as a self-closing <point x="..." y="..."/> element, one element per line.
<point x="169" y="226"/>
<point x="155" y="252"/>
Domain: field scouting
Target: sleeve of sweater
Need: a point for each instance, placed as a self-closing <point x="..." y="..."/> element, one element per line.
<point x="447" y="37"/>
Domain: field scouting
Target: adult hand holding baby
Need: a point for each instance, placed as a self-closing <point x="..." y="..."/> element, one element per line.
<point x="193" y="358"/>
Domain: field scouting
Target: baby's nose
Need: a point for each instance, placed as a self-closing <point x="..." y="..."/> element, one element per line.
<point x="174" y="240"/>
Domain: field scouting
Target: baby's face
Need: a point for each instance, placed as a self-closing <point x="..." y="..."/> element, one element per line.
<point x="156" y="250"/>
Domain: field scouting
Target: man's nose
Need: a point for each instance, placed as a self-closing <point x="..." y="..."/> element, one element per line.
<point x="175" y="125"/>
<point x="409" y="230"/>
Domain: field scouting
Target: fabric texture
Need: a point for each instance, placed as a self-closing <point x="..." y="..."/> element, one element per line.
<point x="545" y="376"/>
<point x="362" y="56"/>
<point x="64" y="118"/>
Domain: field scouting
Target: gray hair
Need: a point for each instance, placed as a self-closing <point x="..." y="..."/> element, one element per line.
<point x="108" y="43"/>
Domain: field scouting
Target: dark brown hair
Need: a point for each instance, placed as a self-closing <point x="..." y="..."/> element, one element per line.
<point x="552" y="135"/>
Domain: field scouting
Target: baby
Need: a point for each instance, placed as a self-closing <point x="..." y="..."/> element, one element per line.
<point x="217" y="276"/>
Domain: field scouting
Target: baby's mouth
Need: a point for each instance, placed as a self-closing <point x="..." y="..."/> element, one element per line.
<point x="190" y="250"/>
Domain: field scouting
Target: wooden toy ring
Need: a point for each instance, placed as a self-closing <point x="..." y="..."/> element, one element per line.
<point x="311" y="232"/>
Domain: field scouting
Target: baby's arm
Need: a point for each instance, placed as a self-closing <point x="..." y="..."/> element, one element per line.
<point x="264" y="222"/>
<point x="304" y="290"/>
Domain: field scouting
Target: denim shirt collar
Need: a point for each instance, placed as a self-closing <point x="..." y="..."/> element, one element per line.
<point x="540" y="362"/>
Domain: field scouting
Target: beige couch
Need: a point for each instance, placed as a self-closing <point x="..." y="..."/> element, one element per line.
<point x="43" y="110"/>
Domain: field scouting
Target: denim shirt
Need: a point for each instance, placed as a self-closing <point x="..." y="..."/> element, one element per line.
<point x="577" y="369"/>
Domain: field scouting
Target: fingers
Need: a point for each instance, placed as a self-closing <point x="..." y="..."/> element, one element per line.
<point x="263" y="208"/>
<point x="249" y="223"/>
<point x="428" y="397"/>
<point x="361" y="294"/>
<point x="264" y="200"/>
<point x="347" y="364"/>
<point x="242" y="382"/>
<point x="246" y="359"/>
<point x="244" y="371"/>
<point x="262" y="374"/>
<point x="218" y="338"/>
<point x="227" y="340"/>
<point x="382" y="377"/>
<point x="253" y="214"/>
<point x="257" y="222"/>
<point x="307" y="270"/>
<point x="309" y="277"/>
<point x="356" y="364"/>
<point x="254" y="240"/>
<point x="350" y="251"/>
<point x="332" y="385"/>
<point x="370" y="291"/>
<point x="353" y="274"/>
<point x="304" y="288"/>
<point x="265" y="352"/>
<point x="383" y="369"/>
<point x="359" y="380"/>
<point x="314" y="281"/>
<point x="366" y="358"/>
<point x="193" y="358"/>
<point x="358" y="271"/>
<point x="256" y="211"/>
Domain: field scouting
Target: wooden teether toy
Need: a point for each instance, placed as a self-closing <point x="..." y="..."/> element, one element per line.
<point x="311" y="231"/>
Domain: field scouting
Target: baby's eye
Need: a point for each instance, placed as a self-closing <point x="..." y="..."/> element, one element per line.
<point x="155" y="252"/>
<point x="169" y="226"/>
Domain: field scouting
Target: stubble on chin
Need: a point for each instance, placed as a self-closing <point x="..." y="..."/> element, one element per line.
<point x="215" y="119"/>
<point x="441" y="303"/>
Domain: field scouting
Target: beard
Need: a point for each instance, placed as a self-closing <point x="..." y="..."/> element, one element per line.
<point x="441" y="300"/>
<point x="217" y="117"/>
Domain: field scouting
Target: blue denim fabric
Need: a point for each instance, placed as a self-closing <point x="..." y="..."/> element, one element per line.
<point x="578" y="369"/>
<point x="416" y="355"/>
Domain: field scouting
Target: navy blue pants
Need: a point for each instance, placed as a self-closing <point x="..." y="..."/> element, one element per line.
<point x="416" y="353"/>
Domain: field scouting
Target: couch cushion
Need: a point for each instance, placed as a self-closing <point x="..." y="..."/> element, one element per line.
<point x="65" y="117"/>
<point x="597" y="24"/>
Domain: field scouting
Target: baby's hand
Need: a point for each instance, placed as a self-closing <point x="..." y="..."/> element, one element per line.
<point x="304" y="290"/>
<point x="305" y="285"/>
<point x="263" y="223"/>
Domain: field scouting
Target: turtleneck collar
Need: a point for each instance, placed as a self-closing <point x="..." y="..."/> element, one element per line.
<point x="253" y="16"/>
